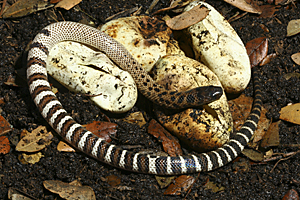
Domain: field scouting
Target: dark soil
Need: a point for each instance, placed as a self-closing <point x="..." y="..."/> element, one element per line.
<point x="258" y="182"/>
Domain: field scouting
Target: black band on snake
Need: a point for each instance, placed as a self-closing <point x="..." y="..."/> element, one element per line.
<point x="52" y="110"/>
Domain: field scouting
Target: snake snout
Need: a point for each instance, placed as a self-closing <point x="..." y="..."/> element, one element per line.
<point x="208" y="94"/>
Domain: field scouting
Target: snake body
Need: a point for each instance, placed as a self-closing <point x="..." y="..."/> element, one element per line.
<point x="52" y="110"/>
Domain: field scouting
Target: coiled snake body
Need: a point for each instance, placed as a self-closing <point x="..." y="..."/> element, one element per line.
<point x="52" y="110"/>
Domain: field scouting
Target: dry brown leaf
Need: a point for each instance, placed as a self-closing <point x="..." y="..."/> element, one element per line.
<point x="136" y="118"/>
<point x="170" y="143"/>
<point x="267" y="11"/>
<point x="5" y="127"/>
<point x="243" y="5"/>
<point x="291" y="113"/>
<point x="213" y="186"/>
<point x="291" y="195"/>
<point x="271" y="138"/>
<point x="25" y="7"/>
<point x="38" y="139"/>
<point x="293" y="27"/>
<point x="296" y="58"/>
<point x="164" y="181"/>
<point x="180" y="185"/>
<point x="102" y="129"/>
<point x="64" y="147"/>
<point x="267" y="59"/>
<point x="4" y="145"/>
<point x="69" y="191"/>
<point x="113" y="180"/>
<point x="31" y="158"/>
<point x="67" y="4"/>
<point x="253" y="155"/>
<point x="188" y="18"/>
<point x="257" y="50"/>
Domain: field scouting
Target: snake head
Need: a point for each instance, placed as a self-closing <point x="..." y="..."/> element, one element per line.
<point x="203" y="95"/>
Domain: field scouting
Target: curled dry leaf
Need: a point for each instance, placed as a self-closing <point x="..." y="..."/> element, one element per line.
<point x="31" y="158"/>
<point x="102" y="129"/>
<point x="271" y="138"/>
<point x="64" y="147"/>
<point x="69" y="191"/>
<point x="164" y="181"/>
<point x="291" y="113"/>
<point x="4" y="145"/>
<point x="5" y="127"/>
<point x="188" y="18"/>
<point x="293" y="27"/>
<point x="67" y="4"/>
<point x="170" y="143"/>
<point x="291" y="195"/>
<point x="245" y="6"/>
<point x="267" y="11"/>
<point x="38" y="139"/>
<point x="268" y="59"/>
<point x="296" y="58"/>
<point x="25" y="7"/>
<point x="213" y="186"/>
<point x="136" y="118"/>
<point x="180" y="185"/>
<point x="113" y="180"/>
<point x="253" y="155"/>
<point x="257" y="50"/>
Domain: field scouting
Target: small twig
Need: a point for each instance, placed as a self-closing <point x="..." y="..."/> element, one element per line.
<point x="3" y="6"/>
<point x="153" y="4"/>
<point x="291" y="155"/>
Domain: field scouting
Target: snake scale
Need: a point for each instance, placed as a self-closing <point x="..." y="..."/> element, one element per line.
<point x="52" y="110"/>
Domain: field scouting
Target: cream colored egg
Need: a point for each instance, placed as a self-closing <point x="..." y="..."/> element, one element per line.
<point x="204" y="128"/>
<point x="218" y="46"/>
<point x="146" y="38"/>
<point x="88" y="71"/>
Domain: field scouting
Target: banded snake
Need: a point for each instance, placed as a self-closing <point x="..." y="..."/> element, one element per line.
<point x="52" y="110"/>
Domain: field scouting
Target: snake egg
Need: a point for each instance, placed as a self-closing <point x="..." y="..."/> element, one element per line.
<point x="217" y="45"/>
<point x="85" y="70"/>
<point x="204" y="128"/>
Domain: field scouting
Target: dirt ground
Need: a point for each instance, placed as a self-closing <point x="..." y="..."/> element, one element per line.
<point x="257" y="182"/>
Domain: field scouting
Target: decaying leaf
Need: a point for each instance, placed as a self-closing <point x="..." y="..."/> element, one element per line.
<point x="268" y="11"/>
<point x="213" y="186"/>
<point x="25" y="7"/>
<point x="164" y="181"/>
<point x="69" y="191"/>
<point x="180" y="185"/>
<point x="257" y="49"/>
<point x="296" y="58"/>
<point x="243" y="5"/>
<point x="102" y="129"/>
<point x="113" y="180"/>
<point x="31" y="158"/>
<point x="15" y="194"/>
<point x="67" y="4"/>
<point x="291" y="113"/>
<point x="291" y="195"/>
<point x="188" y="18"/>
<point x="253" y="154"/>
<point x="268" y="59"/>
<point x="287" y="76"/>
<point x="271" y="138"/>
<point x="293" y="27"/>
<point x="136" y="118"/>
<point x="38" y="139"/>
<point x="5" y="127"/>
<point x="170" y="143"/>
<point x="4" y="145"/>
<point x="64" y="147"/>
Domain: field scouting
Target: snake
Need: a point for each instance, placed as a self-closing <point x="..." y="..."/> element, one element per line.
<point x="80" y="138"/>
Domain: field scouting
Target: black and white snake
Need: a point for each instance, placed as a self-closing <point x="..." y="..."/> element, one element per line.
<point x="52" y="110"/>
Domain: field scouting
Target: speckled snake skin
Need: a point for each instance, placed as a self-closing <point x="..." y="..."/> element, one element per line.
<point x="52" y="110"/>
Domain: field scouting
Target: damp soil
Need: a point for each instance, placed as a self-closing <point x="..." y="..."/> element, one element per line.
<point x="259" y="181"/>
